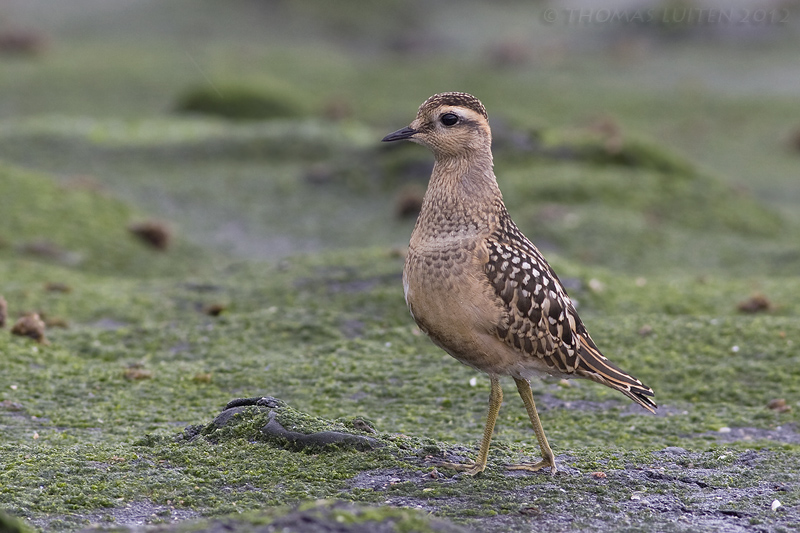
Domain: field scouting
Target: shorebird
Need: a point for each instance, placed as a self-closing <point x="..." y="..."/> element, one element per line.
<point x="479" y="288"/>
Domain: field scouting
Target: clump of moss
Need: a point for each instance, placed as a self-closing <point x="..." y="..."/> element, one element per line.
<point x="238" y="102"/>
<point x="599" y="165"/>
<point x="603" y="143"/>
<point x="30" y="325"/>
<point x="270" y="419"/>
<point x="153" y="233"/>
<point x="81" y="229"/>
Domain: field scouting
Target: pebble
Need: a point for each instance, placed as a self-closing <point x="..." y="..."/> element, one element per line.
<point x="675" y="450"/>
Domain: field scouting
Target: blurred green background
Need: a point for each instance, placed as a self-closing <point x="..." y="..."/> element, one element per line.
<point x="129" y="94"/>
<point x="194" y="196"/>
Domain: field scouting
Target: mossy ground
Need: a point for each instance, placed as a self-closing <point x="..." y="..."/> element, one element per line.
<point x="659" y="232"/>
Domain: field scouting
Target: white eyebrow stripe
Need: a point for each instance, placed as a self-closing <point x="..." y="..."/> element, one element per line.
<point x="463" y="112"/>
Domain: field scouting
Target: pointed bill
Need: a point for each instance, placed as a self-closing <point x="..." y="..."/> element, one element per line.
<point x="399" y="135"/>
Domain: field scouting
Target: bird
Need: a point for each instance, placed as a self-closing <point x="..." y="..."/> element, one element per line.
<point x="480" y="289"/>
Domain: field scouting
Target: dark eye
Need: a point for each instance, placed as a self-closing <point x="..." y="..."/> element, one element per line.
<point x="448" y="119"/>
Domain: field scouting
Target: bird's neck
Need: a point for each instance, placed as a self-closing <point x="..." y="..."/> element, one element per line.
<point x="462" y="199"/>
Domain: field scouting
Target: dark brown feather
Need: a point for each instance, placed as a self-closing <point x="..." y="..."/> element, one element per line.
<point x="540" y="320"/>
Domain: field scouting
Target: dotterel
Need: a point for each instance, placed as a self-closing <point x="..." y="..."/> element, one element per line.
<point x="479" y="288"/>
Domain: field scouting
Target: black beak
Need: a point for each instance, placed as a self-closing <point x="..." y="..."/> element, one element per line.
<point x="399" y="135"/>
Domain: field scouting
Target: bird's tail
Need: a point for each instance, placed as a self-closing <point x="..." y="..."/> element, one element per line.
<point x="595" y="366"/>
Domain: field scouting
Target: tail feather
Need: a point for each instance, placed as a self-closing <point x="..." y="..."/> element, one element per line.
<point x="595" y="366"/>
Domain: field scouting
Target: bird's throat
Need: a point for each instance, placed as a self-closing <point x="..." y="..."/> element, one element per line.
<point x="462" y="199"/>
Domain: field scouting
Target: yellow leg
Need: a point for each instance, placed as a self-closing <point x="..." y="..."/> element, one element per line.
<point x="495" y="400"/>
<point x="548" y="459"/>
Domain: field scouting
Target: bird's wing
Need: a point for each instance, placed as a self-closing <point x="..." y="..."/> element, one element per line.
<point x="540" y="320"/>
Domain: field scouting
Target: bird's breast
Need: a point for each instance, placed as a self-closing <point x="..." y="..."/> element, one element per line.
<point x="446" y="292"/>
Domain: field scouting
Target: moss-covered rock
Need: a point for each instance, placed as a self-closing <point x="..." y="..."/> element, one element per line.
<point x="238" y="102"/>
<point x="80" y="226"/>
<point x="626" y="173"/>
<point x="270" y="419"/>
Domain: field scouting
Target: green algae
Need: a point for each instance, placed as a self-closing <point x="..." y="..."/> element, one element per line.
<point x="77" y="409"/>
<point x="658" y="239"/>
<point x="240" y="103"/>
<point x="77" y="226"/>
<point x="250" y="179"/>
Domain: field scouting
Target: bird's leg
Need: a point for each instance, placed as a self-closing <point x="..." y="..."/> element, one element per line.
<point x="495" y="400"/>
<point x="548" y="459"/>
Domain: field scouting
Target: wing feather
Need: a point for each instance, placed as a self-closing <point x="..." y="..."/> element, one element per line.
<point x="540" y="320"/>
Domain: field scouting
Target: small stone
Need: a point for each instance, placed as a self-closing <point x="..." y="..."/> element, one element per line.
<point x="30" y="325"/>
<point x="775" y="505"/>
<point x="363" y="425"/>
<point x="755" y="304"/>
<point x="599" y="475"/>
<point x="779" y="405"/>
<point x="724" y="429"/>
<point x="214" y="309"/>
<point x="675" y="450"/>
<point x="473" y="382"/>
<point x="153" y="233"/>
<point x="433" y="474"/>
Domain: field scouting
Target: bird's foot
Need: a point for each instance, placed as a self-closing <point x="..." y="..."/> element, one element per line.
<point x="535" y="467"/>
<point x="471" y="468"/>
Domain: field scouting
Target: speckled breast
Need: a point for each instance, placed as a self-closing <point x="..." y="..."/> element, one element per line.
<point x="440" y="280"/>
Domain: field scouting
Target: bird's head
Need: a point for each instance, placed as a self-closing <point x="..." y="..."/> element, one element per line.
<point x="451" y="125"/>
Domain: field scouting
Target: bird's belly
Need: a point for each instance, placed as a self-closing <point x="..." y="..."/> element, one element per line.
<point x="444" y="297"/>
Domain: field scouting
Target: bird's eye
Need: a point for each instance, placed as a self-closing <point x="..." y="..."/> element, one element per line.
<point x="449" y="119"/>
